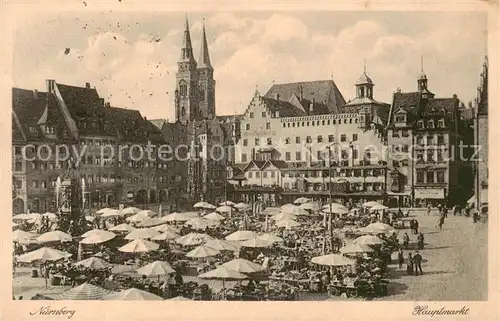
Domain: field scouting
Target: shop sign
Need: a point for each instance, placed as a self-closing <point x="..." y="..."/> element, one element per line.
<point x="430" y="193"/>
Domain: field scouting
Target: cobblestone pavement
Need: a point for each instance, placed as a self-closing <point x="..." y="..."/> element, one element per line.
<point x="455" y="262"/>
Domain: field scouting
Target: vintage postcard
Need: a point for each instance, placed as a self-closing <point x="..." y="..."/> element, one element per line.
<point x="320" y="160"/>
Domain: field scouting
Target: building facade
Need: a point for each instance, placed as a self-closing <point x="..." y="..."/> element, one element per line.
<point x="481" y="135"/>
<point x="304" y="139"/>
<point x="424" y="138"/>
<point x="73" y="125"/>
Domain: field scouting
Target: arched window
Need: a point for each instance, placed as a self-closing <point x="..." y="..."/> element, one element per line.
<point x="183" y="88"/>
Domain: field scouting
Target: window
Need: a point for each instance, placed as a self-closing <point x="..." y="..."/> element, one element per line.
<point x="441" y="123"/>
<point x="395" y="163"/>
<point x="430" y="177"/>
<point x="354" y="153"/>
<point x="440" y="140"/>
<point x="420" y="124"/>
<point x="405" y="133"/>
<point x="439" y="155"/>
<point x="334" y="122"/>
<point x="247" y="126"/>
<point x="420" y="140"/>
<point x="430" y="124"/>
<point x="264" y="174"/>
<point x="430" y="156"/>
<point x="320" y="139"/>
<point x="257" y="174"/>
<point x="287" y="140"/>
<point x="430" y="139"/>
<point x="308" y="139"/>
<point x="257" y="142"/>
<point x="250" y="174"/>
<point x="284" y="125"/>
<point x="251" y="115"/>
<point x="354" y="137"/>
<point x="405" y="148"/>
<point x="395" y="133"/>
<point x="18" y="167"/>
<point x="49" y="130"/>
<point x="404" y="162"/>
<point x="268" y="125"/>
<point x="330" y="138"/>
<point x="298" y="156"/>
<point x="244" y="158"/>
<point x="319" y="155"/>
<point x="345" y="120"/>
<point x="440" y="176"/>
<point x="400" y="118"/>
<point x="269" y="141"/>
<point x="273" y="174"/>
<point x="245" y="142"/>
<point x="287" y="156"/>
<point x="343" y="138"/>
<point x="420" y="176"/>
<point x="264" y="114"/>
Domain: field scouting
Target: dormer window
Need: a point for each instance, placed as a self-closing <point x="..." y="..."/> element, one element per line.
<point x="441" y="123"/>
<point x="33" y="129"/>
<point x="420" y="124"/>
<point x="49" y="130"/>
<point x="430" y="124"/>
<point x="400" y="118"/>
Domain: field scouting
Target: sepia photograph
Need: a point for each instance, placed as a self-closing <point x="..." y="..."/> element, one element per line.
<point x="229" y="155"/>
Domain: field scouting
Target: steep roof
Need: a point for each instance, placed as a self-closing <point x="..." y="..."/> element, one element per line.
<point x="325" y="91"/>
<point x="131" y="126"/>
<point x="284" y="108"/>
<point x="229" y="118"/>
<point x="158" y="123"/>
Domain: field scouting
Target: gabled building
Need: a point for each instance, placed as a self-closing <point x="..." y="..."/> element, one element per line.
<point x="423" y="139"/>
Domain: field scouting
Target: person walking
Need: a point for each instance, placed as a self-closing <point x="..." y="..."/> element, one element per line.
<point x="418" y="263"/>
<point x="406" y="240"/>
<point x="401" y="258"/>
<point x="441" y="221"/>
<point x="416" y="226"/>
<point x="409" y="264"/>
<point x="429" y="209"/>
<point x="420" y="241"/>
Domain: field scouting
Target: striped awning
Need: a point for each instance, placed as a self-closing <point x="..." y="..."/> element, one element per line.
<point x="85" y="291"/>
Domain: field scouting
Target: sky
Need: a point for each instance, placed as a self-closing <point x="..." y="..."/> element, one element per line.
<point x="131" y="57"/>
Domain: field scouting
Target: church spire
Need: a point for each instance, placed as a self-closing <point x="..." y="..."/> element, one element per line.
<point x="187" y="47"/>
<point x="204" y="61"/>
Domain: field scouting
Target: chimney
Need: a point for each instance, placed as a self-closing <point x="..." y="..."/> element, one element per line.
<point x="35" y="94"/>
<point x="277" y="96"/>
<point x="87" y="85"/>
<point x="50" y="85"/>
<point x="301" y="93"/>
<point x="103" y="104"/>
<point x="145" y="118"/>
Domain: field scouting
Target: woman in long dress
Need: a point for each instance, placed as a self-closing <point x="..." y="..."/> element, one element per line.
<point x="409" y="264"/>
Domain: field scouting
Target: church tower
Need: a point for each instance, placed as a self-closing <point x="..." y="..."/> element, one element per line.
<point x="186" y="82"/>
<point x="206" y="82"/>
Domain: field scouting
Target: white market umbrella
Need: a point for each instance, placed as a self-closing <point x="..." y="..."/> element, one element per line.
<point x="54" y="236"/>
<point x="141" y="233"/>
<point x="139" y="246"/>
<point x="271" y="237"/>
<point x="227" y="203"/>
<point x="293" y="209"/>
<point x="179" y="298"/>
<point x="242" y="206"/>
<point x="283" y="216"/>
<point x="241" y="236"/>
<point x="369" y="240"/>
<point x="243" y="266"/>
<point x="378" y="207"/>
<point x="214" y="217"/>
<point x="95" y="232"/>
<point x="224" y="209"/>
<point x="165" y="236"/>
<point x="332" y="260"/>
<point x="193" y="239"/>
<point x="311" y="206"/>
<point x="94" y="263"/>
<point x="98" y="238"/>
<point x="156" y="268"/>
<point x="370" y="204"/>
<point x="43" y="254"/>
<point x="104" y="210"/>
<point x="356" y="248"/>
<point x="23" y="237"/>
<point x="22" y="217"/>
<point x="150" y="222"/>
<point x="86" y="292"/>
<point x="131" y="210"/>
<point x="124" y="227"/>
<point x="201" y="223"/>
<point x="204" y="205"/>
<point x="223" y="273"/>
<point x="377" y="228"/>
<point x="202" y="251"/>
<point x="301" y="200"/>
<point x="335" y="209"/>
<point x="49" y="215"/>
<point x="132" y="294"/>
<point x="257" y="242"/>
<point x="179" y="217"/>
<point x="288" y="224"/>
<point x="165" y="228"/>
<point x="223" y="245"/>
<point x="111" y="213"/>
